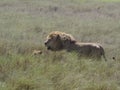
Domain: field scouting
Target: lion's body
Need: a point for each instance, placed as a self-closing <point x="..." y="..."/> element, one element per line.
<point x="90" y="50"/>
<point x="61" y="41"/>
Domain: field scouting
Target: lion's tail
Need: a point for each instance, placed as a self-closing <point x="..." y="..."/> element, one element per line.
<point x="103" y="54"/>
<point x="104" y="57"/>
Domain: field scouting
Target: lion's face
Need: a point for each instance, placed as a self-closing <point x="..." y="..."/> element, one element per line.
<point x="53" y="43"/>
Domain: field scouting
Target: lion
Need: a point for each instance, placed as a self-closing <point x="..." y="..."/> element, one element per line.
<point x="57" y="41"/>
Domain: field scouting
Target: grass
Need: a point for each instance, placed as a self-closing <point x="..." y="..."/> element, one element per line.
<point x="24" y="26"/>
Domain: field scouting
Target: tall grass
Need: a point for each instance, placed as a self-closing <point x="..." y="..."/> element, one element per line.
<point x="58" y="72"/>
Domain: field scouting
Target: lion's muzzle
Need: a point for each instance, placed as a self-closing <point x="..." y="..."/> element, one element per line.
<point x="46" y="44"/>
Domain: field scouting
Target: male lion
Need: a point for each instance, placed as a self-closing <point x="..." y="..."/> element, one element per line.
<point x="57" y="41"/>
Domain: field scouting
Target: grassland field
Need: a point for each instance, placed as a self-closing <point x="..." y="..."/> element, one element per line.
<point x="24" y="25"/>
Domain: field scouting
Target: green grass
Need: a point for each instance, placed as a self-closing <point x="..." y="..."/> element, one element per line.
<point x="24" y="25"/>
<point x="58" y="73"/>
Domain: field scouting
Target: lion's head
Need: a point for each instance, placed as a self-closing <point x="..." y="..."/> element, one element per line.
<point x="53" y="42"/>
<point x="58" y="40"/>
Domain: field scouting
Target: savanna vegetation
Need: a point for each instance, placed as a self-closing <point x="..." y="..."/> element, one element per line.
<point x="24" y="25"/>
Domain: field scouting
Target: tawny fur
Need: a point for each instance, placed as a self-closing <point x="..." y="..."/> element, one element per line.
<point x="61" y="41"/>
<point x="37" y="52"/>
<point x="90" y="50"/>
